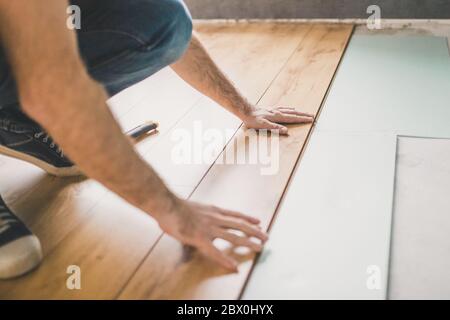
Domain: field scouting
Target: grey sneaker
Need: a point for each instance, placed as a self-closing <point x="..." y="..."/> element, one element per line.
<point x="20" y="250"/>
<point x="22" y="140"/>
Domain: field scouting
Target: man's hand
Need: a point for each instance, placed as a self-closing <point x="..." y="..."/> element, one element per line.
<point x="198" y="225"/>
<point x="273" y="119"/>
<point x="200" y="71"/>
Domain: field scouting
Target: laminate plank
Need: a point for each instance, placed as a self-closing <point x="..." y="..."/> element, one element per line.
<point x="90" y="245"/>
<point x="18" y="178"/>
<point x="184" y="274"/>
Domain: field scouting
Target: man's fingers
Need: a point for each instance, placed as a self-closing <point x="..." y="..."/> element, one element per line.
<point x="243" y="226"/>
<point x="275" y="126"/>
<point x="236" y="214"/>
<point x="240" y="241"/>
<point x="218" y="256"/>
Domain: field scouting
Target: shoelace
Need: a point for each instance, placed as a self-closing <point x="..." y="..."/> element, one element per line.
<point x="48" y="140"/>
<point x="5" y="219"/>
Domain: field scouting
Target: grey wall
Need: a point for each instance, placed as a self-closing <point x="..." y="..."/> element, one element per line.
<point x="308" y="9"/>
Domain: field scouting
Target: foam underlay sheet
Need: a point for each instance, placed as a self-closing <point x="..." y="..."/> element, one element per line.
<point x="420" y="250"/>
<point x="391" y="84"/>
<point x="334" y="222"/>
<point x="331" y="238"/>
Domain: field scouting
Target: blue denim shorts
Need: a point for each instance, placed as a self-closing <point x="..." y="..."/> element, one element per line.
<point x="121" y="42"/>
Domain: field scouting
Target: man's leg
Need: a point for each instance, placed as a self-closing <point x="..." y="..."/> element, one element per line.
<point x="122" y="43"/>
<point x="23" y="138"/>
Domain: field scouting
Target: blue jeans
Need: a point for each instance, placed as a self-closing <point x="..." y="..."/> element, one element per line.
<point x="121" y="42"/>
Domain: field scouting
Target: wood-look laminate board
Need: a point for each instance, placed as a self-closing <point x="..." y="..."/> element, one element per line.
<point x="88" y="245"/>
<point x="184" y="274"/>
<point x="18" y="178"/>
<point x="122" y="103"/>
<point x="115" y="252"/>
<point x="167" y="99"/>
<point x="258" y="59"/>
<point x="146" y="91"/>
<point x="241" y="50"/>
<point x="333" y="226"/>
<point x="392" y="84"/>
<point x="420" y="245"/>
<point x="180" y="156"/>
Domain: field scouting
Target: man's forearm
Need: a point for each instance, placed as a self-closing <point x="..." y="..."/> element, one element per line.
<point x="57" y="92"/>
<point x="89" y="134"/>
<point x="198" y="69"/>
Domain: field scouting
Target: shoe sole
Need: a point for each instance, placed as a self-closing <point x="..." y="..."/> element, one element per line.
<point x="54" y="171"/>
<point x="20" y="257"/>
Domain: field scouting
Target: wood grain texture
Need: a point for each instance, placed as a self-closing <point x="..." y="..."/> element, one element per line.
<point x="172" y="271"/>
<point x="108" y="238"/>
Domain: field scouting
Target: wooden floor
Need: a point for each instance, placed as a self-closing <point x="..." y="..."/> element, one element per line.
<point x="121" y="251"/>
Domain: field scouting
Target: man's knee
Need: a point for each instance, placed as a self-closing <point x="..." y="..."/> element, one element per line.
<point x="136" y="25"/>
<point x="176" y="30"/>
<point x="135" y="39"/>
